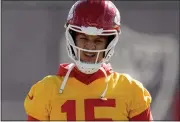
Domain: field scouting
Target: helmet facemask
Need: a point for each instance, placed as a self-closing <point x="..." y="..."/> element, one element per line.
<point x="74" y="51"/>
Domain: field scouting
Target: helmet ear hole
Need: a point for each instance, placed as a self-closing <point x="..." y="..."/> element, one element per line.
<point x="73" y="35"/>
<point x="72" y="50"/>
<point x="109" y="54"/>
<point x="110" y="38"/>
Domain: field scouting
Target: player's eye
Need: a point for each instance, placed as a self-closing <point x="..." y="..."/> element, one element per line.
<point x="83" y="38"/>
<point x="98" y="41"/>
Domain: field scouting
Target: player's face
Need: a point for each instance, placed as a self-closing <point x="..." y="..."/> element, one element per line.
<point x="91" y="43"/>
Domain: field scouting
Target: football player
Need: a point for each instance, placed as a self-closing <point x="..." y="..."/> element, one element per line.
<point x="88" y="88"/>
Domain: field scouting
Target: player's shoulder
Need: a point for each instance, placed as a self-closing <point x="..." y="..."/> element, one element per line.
<point x="50" y="79"/>
<point x="127" y="80"/>
<point x="48" y="82"/>
<point x="129" y="86"/>
<point x="131" y="80"/>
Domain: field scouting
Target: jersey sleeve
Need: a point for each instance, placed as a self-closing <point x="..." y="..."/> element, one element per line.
<point x="36" y="103"/>
<point x="141" y="99"/>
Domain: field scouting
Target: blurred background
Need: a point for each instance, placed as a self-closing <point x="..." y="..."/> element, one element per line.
<point x="33" y="46"/>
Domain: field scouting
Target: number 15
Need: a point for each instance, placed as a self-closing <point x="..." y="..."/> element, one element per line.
<point x="70" y="108"/>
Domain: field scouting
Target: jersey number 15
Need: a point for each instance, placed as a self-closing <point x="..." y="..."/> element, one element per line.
<point x="70" y="108"/>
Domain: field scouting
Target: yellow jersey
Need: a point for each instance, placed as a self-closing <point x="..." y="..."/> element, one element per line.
<point x="125" y="97"/>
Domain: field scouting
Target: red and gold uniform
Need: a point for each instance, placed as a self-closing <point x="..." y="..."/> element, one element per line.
<point x="126" y="98"/>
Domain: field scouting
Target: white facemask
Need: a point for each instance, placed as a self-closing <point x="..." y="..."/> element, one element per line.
<point x="90" y="68"/>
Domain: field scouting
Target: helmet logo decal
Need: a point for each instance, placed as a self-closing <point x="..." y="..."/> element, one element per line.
<point x="91" y="30"/>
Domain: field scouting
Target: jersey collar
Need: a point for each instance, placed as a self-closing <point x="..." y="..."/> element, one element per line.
<point x="84" y="78"/>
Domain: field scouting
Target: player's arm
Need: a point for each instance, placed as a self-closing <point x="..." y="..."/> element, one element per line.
<point x="145" y="115"/>
<point x="140" y="103"/>
<point x="36" y="103"/>
<point x="30" y="118"/>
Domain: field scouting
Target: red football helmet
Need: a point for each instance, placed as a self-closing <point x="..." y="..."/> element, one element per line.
<point x="92" y="17"/>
